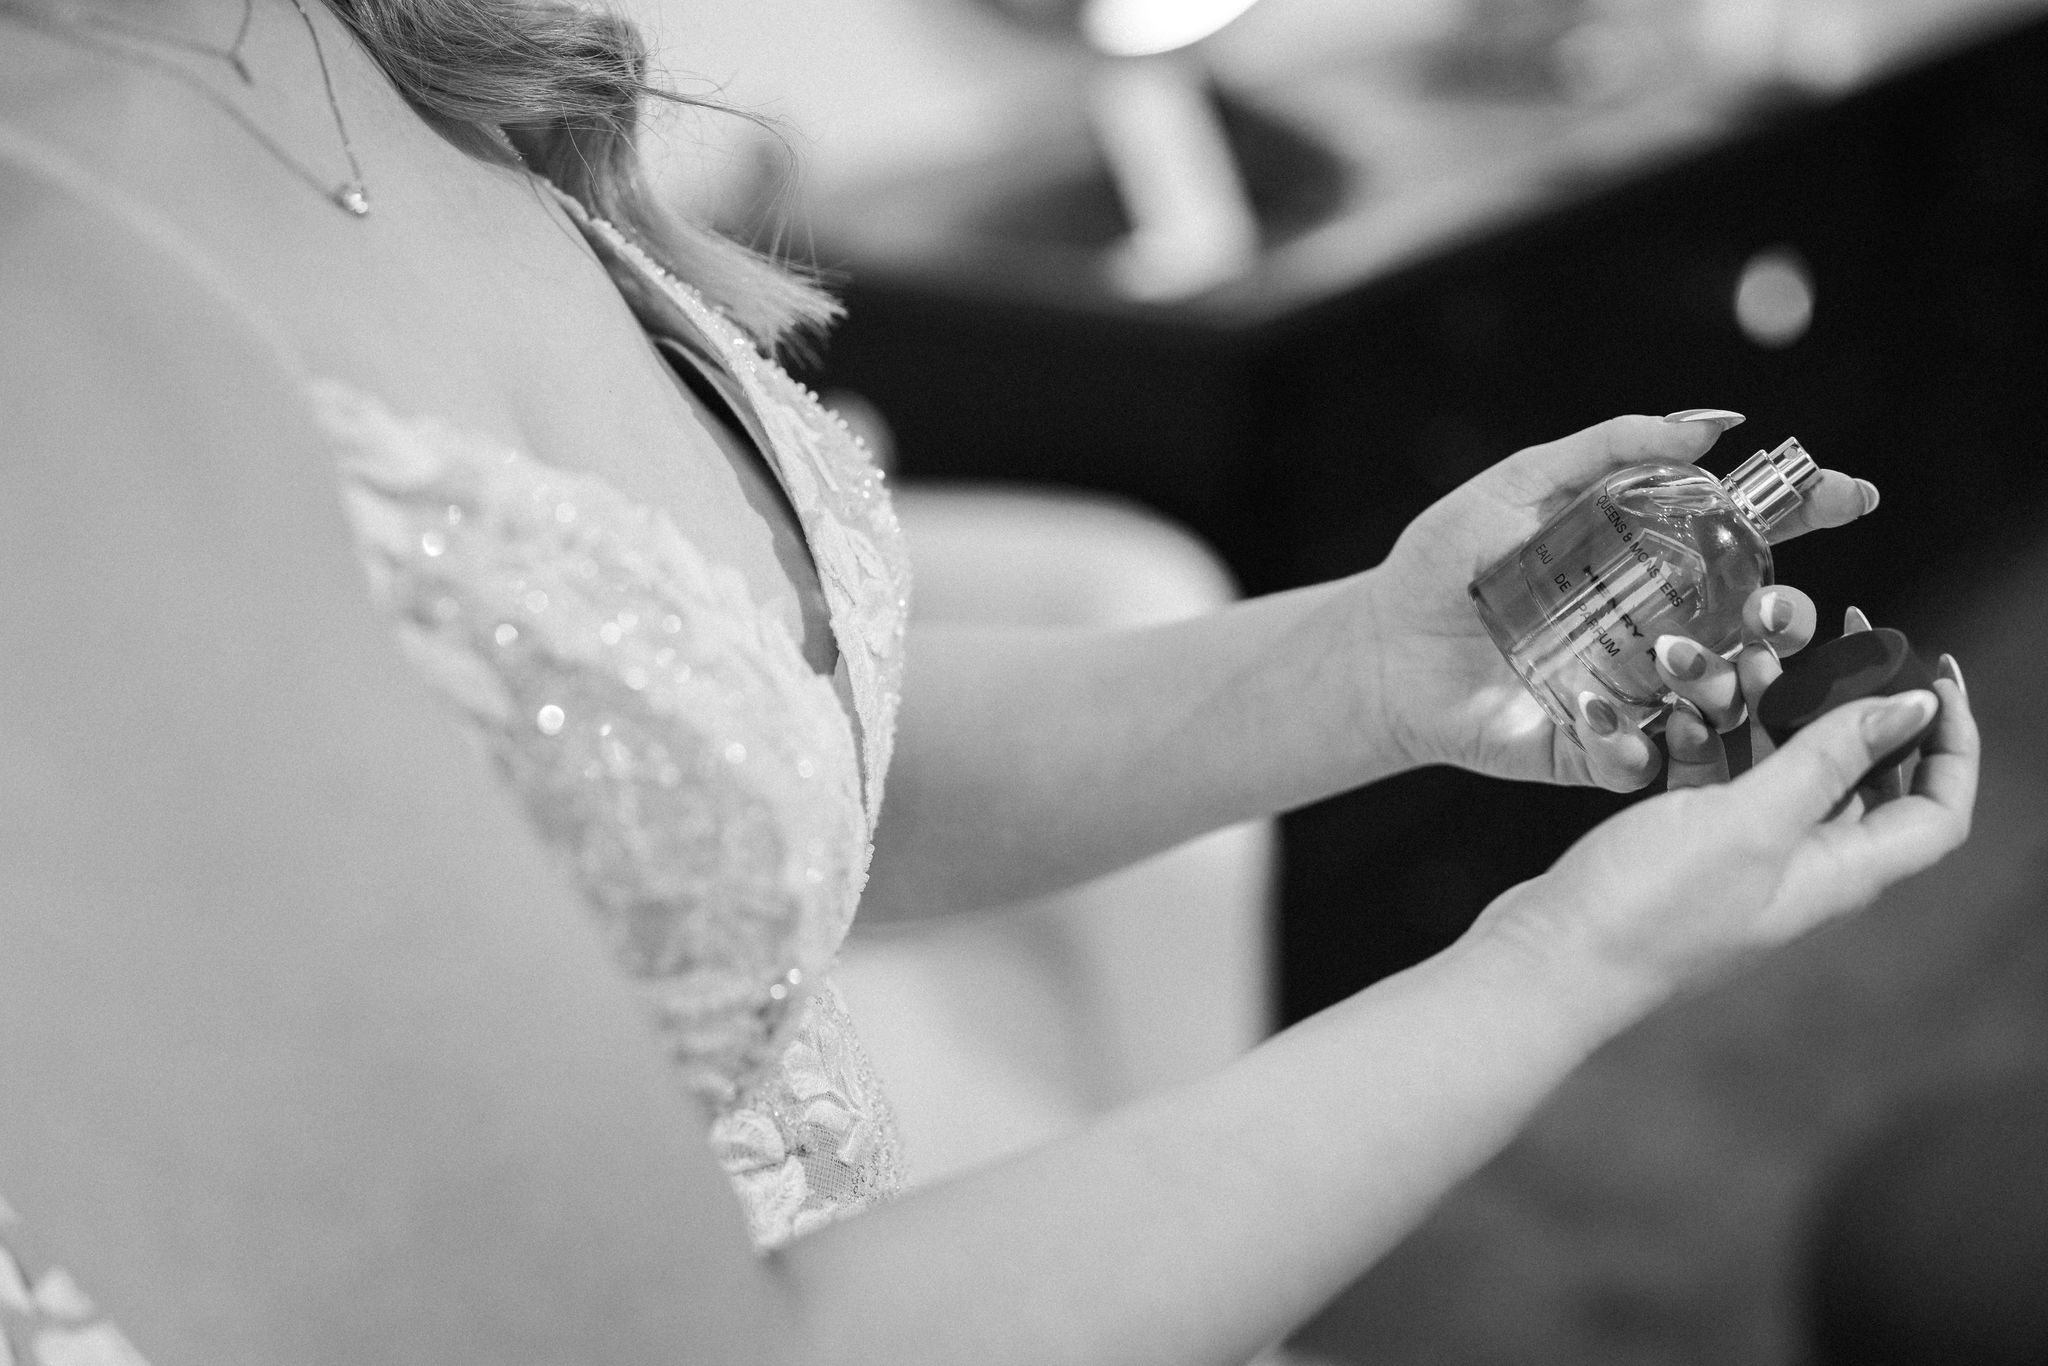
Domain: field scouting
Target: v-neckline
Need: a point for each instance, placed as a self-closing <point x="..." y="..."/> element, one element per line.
<point x="666" y="308"/>
<point x="722" y="396"/>
<point x="732" y="396"/>
<point x="361" y="420"/>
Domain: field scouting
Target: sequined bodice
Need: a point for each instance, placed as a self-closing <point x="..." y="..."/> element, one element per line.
<point x="705" y="788"/>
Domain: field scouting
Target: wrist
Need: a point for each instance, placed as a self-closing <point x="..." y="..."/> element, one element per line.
<point x="1393" y="708"/>
<point x="1527" y="940"/>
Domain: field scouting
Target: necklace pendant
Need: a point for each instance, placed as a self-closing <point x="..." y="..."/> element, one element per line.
<point x="352" y="198"/>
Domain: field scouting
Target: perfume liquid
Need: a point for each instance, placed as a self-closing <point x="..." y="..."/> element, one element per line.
<point x="1652" y="550"/>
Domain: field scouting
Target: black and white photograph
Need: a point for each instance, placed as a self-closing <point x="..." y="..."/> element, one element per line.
<point x="1023" y="683"/>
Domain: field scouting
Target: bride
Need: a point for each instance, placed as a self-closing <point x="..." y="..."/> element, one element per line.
<point x="456" y="693"/>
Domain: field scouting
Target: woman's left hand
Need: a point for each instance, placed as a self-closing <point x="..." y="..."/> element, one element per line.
<point x="1448" y="695"/>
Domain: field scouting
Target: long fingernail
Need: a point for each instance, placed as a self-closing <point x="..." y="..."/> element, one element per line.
<point x="1682" y="658"/>
<point x="1898" y="720"/>
<point x="1853" y="621"/>
<point x="1722" y="418"/>
<point x="1953" y="672"/>
<point x="1598" y="713"/>
<point x="1870" y="495"/>
<point x="1774" y="611"/>
<point x="1686" y="734"/>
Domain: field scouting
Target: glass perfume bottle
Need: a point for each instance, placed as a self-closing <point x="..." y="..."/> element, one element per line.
<point x="1651" y="550"/>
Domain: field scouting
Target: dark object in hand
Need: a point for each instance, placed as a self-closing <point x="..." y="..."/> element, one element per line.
<point x="1874" y="663"/>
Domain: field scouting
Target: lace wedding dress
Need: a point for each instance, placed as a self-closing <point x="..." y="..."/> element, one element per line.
<point x="707" y="788"/>
<point x="709" y="793"/>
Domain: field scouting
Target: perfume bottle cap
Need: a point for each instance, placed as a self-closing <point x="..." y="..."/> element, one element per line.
<point x="1876" y="663"/>
<point x="1769" y="484"/>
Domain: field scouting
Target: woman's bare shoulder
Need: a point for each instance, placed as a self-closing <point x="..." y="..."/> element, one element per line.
<point x="109" y="314"/>
<point x="44" y="78"/>
<point x="58" y="99"/>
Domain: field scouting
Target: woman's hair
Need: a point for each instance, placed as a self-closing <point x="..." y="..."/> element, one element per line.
<point x="566" y="83"/>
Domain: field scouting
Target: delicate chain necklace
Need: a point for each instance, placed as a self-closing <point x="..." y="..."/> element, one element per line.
<point x="350" y="195"/>
<point x="231" y="54"/>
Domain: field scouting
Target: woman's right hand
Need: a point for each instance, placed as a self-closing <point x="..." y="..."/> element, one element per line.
<point x="1683" y="885"/>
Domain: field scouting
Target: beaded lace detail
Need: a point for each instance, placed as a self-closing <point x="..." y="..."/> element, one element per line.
<point x="835" y="487"/>
<point x="701" y="782"/>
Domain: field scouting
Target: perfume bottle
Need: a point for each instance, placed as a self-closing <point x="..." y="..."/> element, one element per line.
<point x="1651" y="550"/>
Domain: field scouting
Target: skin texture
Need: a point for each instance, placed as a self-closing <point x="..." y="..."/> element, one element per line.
<point x="1172" y="731"/>
<point x="312" y="1057"/>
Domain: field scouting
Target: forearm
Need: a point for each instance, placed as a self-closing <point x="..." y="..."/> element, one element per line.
<point x="1028" y="761"/>
<point x="1203" y="1224"/>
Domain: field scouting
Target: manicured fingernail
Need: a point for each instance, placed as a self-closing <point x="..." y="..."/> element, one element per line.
<point x="1870" y="496"/>
<point x="1953" y="672"/>
<point x="1683" y="659"/>
<point x="1774" y="611"/>
<point x="1686" y="734"/>
<point x="1598" y="713"/>
<point x="1720" y="417"/>
<point x="1853" y="621"/>
<point x="1898" y="720"/>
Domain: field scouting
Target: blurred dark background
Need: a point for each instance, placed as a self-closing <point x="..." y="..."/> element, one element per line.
<point x="1299" y="440"/>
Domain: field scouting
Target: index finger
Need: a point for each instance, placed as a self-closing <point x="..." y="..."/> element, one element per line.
<point x="1800" y="785"/>
<point x="1780" y="616"/>
<point x="1836" y="500"/>
<point x="1568" y="464"/>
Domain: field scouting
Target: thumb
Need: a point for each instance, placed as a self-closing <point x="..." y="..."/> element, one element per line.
<point x="1572" y="462"/>
<point x="1802" y="784"/>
